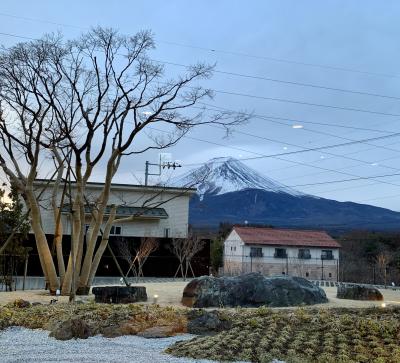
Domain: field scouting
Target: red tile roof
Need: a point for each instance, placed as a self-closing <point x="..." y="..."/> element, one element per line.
<point x="285" y="237"/>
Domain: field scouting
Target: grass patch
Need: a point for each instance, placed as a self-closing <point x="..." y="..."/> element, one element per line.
<point x="302" y="335"/>
<point x="102" y="318"/>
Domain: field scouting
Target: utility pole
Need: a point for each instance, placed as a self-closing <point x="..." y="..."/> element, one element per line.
<point x="322" y="269"/>
<point x="160" y="166"/>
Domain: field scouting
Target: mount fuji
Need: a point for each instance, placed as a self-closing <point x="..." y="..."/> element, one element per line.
<point x="230" y="191"/>
<point x="224" y="175"/>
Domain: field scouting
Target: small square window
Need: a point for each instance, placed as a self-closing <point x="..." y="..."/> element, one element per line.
<point x="280" y="253"/>
<point x="307" y="274"/>
<point x="327" y="255"/>
<point x="330" y="274"/>
<point x="283" y="273"/>
<point x="304" y="253"/>
<point x="256" y="252"/>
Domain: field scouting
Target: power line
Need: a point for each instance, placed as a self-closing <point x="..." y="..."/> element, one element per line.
<point x="317" y="123"/>
<point x="265" y="156"/>
<point x="274" y="99"/>
<point x="346" y="167"/>
<point x="305" y="129"/>
<point x="311" y="104"/>
<point x="42" y="21"/>
<point x="214" y="50"/>
<point x="295" y="83"/>
<point x="281" y="60"/>
<point x="316" y="148"/>
<point x="345" y="180"/>
<point x="300" y="121"/>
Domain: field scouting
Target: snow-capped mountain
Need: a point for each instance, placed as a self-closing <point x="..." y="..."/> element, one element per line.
<point x="224" y="175"/>
<point x="229" y="191"/>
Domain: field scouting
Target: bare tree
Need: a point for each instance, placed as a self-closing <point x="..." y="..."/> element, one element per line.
<point x="193" y="245"/>
<point x="177" y="248"/>
<point x="185" y="249"/>
<point x="383" y="260"/>
<point x="146" y="248"/>
<point x="124" y="250"/>
<point x="83" y="103"/>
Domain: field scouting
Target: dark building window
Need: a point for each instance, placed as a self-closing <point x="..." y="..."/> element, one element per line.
<point x="166" y="233"/>
<point x="304" y="253"/>
<point x="327" y="255"/>
<point x="115" y="230"/>
<point x="330" y="274"/>
<point x="307" y="274"/>
<point x="283" y="273"/>
<point x="280" y="253"/>
<point x="256" y="252"/>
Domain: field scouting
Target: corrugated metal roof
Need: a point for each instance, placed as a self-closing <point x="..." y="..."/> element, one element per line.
<point x="285" y="237"/>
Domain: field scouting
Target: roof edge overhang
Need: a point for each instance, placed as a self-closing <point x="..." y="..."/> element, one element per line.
<point x="133" y="187"/>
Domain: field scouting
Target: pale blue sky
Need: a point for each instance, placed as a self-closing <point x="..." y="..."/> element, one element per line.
<point x="359" y="35"/>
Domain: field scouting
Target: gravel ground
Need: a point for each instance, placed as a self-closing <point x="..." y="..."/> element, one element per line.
<point x="25" y="345"/>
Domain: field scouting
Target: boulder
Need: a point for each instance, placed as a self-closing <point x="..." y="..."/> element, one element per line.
<point x="21" y="303"/>
<point x="359" y="292"/>
<point x="251" y="290"/>
<point x="119" y="294"/>
<point x="206" y="322"/>
<point x="71" y="328"/>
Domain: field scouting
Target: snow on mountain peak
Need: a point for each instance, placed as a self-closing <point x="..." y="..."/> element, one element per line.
<point x="226" y="174"/>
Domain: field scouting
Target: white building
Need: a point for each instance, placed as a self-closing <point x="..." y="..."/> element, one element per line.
<point x="310" y="254"/>
<point x="161" y="211"/>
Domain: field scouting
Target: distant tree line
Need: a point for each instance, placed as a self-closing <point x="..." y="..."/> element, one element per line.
<point x="370" y="257"/>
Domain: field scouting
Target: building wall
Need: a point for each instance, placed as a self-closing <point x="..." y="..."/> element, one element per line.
<point x="177" y="209"/>
<point x="237" y="260"/>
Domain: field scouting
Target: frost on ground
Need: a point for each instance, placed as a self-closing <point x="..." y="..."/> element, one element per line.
<point x="25" y="345"/>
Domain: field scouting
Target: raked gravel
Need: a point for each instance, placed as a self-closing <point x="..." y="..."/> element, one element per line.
<point x="25" y="345"/>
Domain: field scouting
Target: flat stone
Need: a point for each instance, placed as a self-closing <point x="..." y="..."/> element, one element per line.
<point x="158" y="332"/>
<point x="119" y="294"/>
<point x="251" y="290"/>
<point x="359" y="292"/>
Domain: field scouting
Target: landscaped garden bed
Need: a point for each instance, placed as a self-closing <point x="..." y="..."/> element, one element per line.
<point x="302" y="335"/>
<point x="257" y="335"/>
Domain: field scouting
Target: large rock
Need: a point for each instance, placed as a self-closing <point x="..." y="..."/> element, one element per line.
<point x="251" y="289"/>
<point x="359" y="292"/>
<point x="71" y="328"/>
<point x="119" y="294"/>
<point x="207" y="322"/>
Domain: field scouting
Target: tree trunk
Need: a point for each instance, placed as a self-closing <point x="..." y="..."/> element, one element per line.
<point x="102" y="205"/>
<point x="102" y="246"/>
<point x="45" y="257"/>
<point x="58" y="242"/>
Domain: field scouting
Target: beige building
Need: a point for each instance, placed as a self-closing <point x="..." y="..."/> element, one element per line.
<point x="162" y="212"/>
<point x="310" y="254"/>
